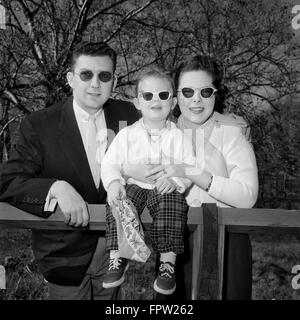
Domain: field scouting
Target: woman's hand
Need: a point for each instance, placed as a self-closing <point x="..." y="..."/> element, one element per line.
<point x="143" y="172"/>
<point x="165" y="186"/>
<point x="175" y="170"/>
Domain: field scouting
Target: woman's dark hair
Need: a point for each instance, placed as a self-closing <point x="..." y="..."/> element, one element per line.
<point x="97" y="49"/>
<point x="209" y="65"/>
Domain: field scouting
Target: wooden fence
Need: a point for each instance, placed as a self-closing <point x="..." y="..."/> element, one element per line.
<point x="207" y="224"/>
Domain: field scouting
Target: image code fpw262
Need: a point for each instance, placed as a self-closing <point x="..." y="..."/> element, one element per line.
<point x="171" y="309"/>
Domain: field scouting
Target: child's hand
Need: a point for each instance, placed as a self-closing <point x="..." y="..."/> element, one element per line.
<point x="115" y="193"/>
<point x="165" y="186"/>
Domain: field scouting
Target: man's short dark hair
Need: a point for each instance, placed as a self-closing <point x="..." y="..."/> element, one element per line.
<point x="97" y="49"/>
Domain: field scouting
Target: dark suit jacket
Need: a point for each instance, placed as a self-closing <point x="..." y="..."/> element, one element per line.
<point x="50" y="148"/>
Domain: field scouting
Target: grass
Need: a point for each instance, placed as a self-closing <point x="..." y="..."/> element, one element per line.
<point x="23" y="279"/>
<point x="273" y="259"/>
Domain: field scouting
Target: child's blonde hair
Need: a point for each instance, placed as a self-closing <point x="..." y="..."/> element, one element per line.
<point x="156" y="73"/>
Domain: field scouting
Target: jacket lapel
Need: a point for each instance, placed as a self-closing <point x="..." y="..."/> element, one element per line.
<point x="72" y="145"/>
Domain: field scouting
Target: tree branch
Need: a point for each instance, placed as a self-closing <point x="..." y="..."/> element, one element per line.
<point x="31" y="25"/>
<point x="262" y="97"/>
<point x="12" y="97"/>
<point x="7" y="124"/>
<point x="77" y="30"/>
<point x="96" y="14"/>
<point x="128" y="16"/>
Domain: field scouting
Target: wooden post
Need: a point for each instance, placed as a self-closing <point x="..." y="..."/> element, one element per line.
<point x="221" y="248"/>
<point x="196" y="257"/>
<point x="208" y="276"/>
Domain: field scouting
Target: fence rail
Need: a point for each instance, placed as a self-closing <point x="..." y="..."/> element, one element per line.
<point x="207" y="225"/>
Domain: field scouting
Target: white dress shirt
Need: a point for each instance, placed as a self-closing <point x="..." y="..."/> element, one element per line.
<point x="82" y="118"/>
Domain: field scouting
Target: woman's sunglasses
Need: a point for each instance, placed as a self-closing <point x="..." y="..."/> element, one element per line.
<point x="148" y="96"/>
<point x="205" y="93"/>
<point x="87" y="75"/>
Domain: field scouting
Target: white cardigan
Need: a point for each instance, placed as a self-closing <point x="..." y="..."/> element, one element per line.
<point x="230" y="158"/>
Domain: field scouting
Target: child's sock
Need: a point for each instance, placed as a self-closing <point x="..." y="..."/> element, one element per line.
<point x="114" y="254"/>
<point x="168" y="257"/>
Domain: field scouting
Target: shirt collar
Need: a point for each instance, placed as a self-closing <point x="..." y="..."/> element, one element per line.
<point x="168" y="126"/>
<point x="82" y="114"/>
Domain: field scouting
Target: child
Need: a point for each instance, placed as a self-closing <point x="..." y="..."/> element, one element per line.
<point x="151" y="140"/>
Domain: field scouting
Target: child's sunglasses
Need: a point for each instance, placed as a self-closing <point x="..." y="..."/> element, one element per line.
<point x="148" y="96"/>
<point x="205" y="93"/>
<point x="87" y="75"/>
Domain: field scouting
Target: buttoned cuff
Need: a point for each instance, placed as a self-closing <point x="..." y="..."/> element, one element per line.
<point x="120" y="179"/>
<point x="51" y="203"/>
<point x="216" y="187"/>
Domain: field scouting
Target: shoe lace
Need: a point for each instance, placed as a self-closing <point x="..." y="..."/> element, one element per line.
<point x="114" y="263"/>
<point x="166" y="270"/>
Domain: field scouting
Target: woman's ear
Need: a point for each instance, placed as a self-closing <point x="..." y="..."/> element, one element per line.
<point x="70" y="77"/>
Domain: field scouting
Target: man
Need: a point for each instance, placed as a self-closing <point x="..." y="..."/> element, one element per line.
<point x="55" y="163"/>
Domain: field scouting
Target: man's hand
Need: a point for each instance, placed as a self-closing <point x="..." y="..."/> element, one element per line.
<point x="165" y="186"/>
<point x="71" y="204"/>
<point x="115" y="193"/>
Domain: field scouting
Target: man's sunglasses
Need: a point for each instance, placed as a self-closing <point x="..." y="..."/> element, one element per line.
<point x="148" y="96"/>
<point x="87" y="75"/>
<point x="205" y="93"/>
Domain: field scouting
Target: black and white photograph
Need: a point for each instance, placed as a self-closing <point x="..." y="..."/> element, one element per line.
<point x="149" y="150"/>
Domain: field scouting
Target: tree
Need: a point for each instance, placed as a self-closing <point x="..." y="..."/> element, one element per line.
<point x="252" y="40"/>
<point x="37" y="44"/>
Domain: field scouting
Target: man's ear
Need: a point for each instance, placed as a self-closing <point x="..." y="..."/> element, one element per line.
<point x="136" y="103"/>
<point x="115" y="81"/>
<point x="174" y="102"/>
<point x="70" y="77"/>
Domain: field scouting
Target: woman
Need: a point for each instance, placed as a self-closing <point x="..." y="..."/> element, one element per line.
<point x="226" y="171"/>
